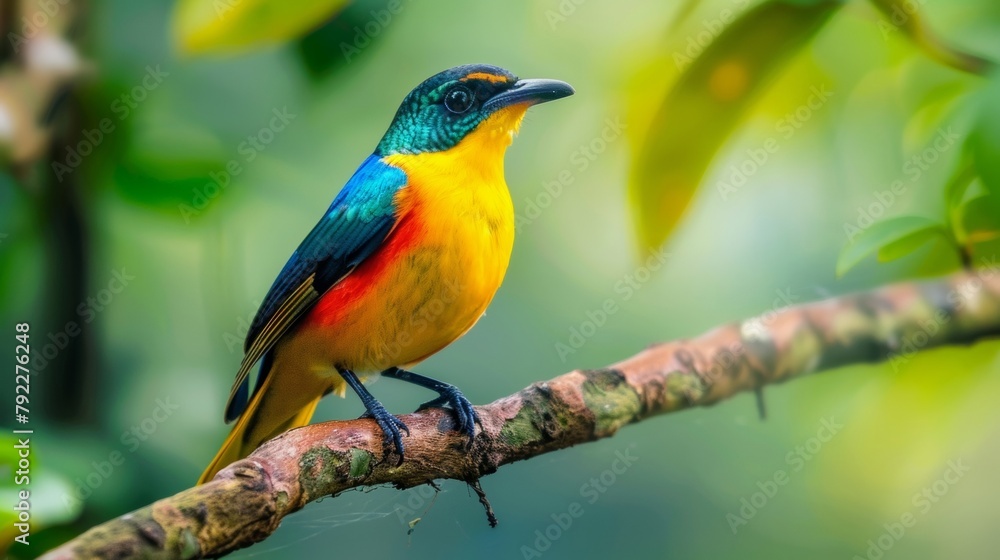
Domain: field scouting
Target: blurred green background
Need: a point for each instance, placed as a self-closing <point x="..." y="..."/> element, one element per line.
<point x="671" y="98"/>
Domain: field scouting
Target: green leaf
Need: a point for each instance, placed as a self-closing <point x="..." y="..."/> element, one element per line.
<point x="707" y="102"/>
<point x="170" y="163"/>
<point x="985" y="138"/>
<point x="202" y="26"/>
<point x="906" y="245"/>
<point x="907" y="16"/>
<point x="980" y="218"/>
<point x="346" y="37"/>
<point x="934" y="114"/>
<point x="891" y="238"/>
<point x="958" y="190"/>
<point x="683" y="13"/>
<point x="958" y="185"/>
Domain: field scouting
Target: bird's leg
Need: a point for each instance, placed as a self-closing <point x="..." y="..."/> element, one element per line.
<point x="465" y="414"/>
<point x="390" y="425"/>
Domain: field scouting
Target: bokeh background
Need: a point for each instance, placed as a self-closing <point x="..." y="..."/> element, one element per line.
<point x="177" y="252"/>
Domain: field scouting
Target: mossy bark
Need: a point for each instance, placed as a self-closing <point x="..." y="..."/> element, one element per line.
<point x="247" y="500"/>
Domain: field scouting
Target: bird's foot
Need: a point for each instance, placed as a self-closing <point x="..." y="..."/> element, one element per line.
<point x="392" y="427"/>
<point x="465" y="414"/>
<point x="449" y="395"/>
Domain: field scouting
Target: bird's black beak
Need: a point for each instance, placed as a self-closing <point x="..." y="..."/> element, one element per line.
<point x="532" y="92"/>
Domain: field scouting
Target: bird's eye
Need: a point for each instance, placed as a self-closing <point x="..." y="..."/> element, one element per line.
<point x="458" y="99"/>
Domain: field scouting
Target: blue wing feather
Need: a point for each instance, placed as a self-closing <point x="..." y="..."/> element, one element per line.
<point x="352" y="229"/>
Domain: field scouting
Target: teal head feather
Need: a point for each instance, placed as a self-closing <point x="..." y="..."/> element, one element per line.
<point x="438" y="113"/>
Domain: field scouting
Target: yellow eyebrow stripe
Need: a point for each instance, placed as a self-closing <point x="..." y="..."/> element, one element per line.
<point x="485" y="76"/>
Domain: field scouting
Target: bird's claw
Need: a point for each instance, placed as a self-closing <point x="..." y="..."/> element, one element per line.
<point x="465" y="414"/>
<point x="392" y="428"/>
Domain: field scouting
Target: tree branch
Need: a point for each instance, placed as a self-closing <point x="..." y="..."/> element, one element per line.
<point x="245" y="502"/>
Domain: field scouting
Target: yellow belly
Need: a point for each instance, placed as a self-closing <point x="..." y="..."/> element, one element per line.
<point x="421" y="303"/>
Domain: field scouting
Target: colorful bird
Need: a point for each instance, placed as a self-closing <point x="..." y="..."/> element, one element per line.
<point x="403" y="263"/>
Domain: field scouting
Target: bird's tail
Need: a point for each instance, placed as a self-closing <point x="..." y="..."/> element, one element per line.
<point x="263" y="419"/>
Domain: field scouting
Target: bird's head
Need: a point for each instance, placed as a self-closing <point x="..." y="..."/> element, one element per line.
<point x="476" y="99"/>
